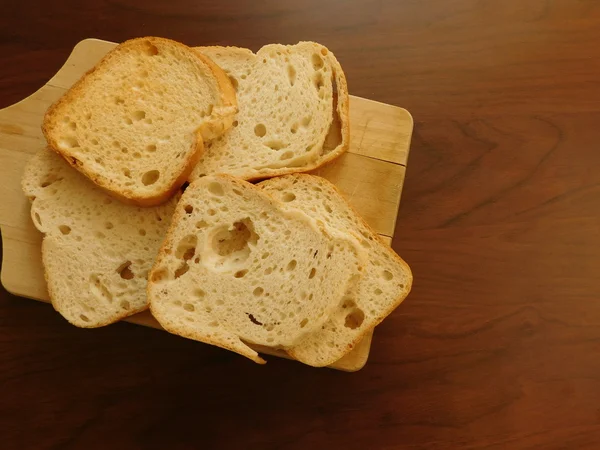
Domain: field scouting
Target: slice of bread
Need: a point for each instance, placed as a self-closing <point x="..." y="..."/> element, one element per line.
<point x="293" y="111"/>
<point x="387" y="278"/>
<point x="96" y="250"/>
<point x="238" y="267"/>
<point x="135" y="123"/>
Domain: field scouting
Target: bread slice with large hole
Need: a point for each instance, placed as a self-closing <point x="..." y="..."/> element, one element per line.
<point x="135" y="123"/>
<point x="96" y="251"/>
<point x="387" y="278"/>
<point x="238" y="268"/>
<point x="293" y="111"/>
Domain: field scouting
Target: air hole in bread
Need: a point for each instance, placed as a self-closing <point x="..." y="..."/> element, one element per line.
<point x="294" y="128"/>
<point x="108" y="225"/>
<point x="150" y="177"/>
<point x="150" y="49"/>
<point x="124" y="271"/>
<point x="253" y="319"/>
<point x="159" y="275"/>
<point x="348" y="303"/>
<point x="286" y="155"/>
<point x="99" y="235"/>
<point x="265" y="255"/>
<point x="241" y="273"/>
<point x="138" y="115"/>
<point x="276" y="145"/>
<point x="318" y="80"/>
<point x="127" y="173"/>
<point x="303" y="323"/>
<point x="73" y="126"/>
<point x="216" y="188"/>
<point x="328" y="208"/>
<point x="378" y="291"/>
<point x="182" y="269"/>
<point x="64" y="229"/>
<point x="306" y="121"/>
<point x="84" y="317"/>
<point x="291" y="70"/>
<point x="312" y="273"/>
<point x="229" y="241"/>
<point x="354" y="319"/>
<point x="234" y="82"/>
<point x="317" y="61"/>
<point x="128" y="121"/>
<point x="98" y="289"/>
<point x="211" y="212"/>
<point x="189" y="307"/>
<point x="260" y="130"/>
<point x="69" y="142"/>
<point x="188" y="209"/>
<point x="142" y="232"/>
<point x="201" y="224"/>
<point x="291" y="265"/>
<point x="125" y="304"/>
<point x="186" y="249"/>
<point x="235" y="123"/>
<point x="258" y="291"/>
<point x="387" y="275"/>
<point x="268" y="271"/>
<point x="119" y="101"/>
<point x="199" y="293"/>
<point x="324" y="51"/>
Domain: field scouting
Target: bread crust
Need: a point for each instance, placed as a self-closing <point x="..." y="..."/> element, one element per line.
<point x="221" y="122"/>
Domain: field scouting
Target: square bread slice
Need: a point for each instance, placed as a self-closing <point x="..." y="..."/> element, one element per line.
<point x="238" y="267"/>
<point x="293" y="111"/>
<point x="386" y="282"/>
<point x="135" y="123"/>
<point x="96" y="250"/>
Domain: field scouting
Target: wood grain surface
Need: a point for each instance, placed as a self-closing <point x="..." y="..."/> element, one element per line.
<point x="498" y="345"/>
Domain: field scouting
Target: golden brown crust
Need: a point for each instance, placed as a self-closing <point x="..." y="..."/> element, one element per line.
<point x="389" y="250"/>
<point x="228" y="108"/>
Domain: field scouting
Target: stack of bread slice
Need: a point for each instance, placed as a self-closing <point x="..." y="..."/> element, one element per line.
<point x="286" y="263"/>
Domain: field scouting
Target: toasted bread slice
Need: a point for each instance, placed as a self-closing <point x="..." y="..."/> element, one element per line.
<point x="386" y="282"/>
<point x="135" y="123"/>
<point x="293" y="111"/>
<point x="238" y="267"/>
<point x="96" y="250"/>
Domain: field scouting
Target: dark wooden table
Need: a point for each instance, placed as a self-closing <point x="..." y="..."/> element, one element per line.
<point x="498" y="345"/>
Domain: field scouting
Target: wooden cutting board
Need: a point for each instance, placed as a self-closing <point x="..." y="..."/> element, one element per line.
<point x="370" y="175"/>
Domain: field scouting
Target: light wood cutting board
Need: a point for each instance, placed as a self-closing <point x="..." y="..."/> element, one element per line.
<point x="370" y="175"/>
